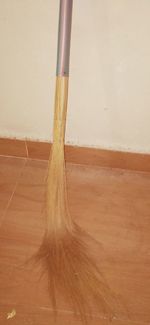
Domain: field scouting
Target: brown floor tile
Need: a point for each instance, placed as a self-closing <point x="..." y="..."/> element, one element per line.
<point x="13" y="147"/>
<point x="113" y="207"/>
<point x="35" y="172"/>
<point x="24" y="218"/>
<point x="107" y="158"/>
<point x="38" y="150"/>
<point x="77" y="155"/>
<point x="10" y="169"/>
<point x="27" y="315"/>
<point x="43" y="316"/>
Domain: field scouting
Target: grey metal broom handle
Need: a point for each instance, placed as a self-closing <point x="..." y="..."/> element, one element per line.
<point x="64" y="36"/>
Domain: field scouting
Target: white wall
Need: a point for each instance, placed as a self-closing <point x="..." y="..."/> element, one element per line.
<point x="109" y="98"/>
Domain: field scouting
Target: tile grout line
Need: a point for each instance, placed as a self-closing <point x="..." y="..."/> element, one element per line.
<point x="141" y="172"/>
<point x="27" y="151"/>
<point x="16" y="157"/>
<point x="13" y="192"/>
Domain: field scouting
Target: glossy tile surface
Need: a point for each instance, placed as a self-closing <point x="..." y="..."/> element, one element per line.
<point x="113" y="206"/>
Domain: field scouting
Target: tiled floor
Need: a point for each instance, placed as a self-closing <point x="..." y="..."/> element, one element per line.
<point x="112" y="205"/>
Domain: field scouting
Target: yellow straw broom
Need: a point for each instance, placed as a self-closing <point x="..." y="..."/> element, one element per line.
<point x="63" y="252"/>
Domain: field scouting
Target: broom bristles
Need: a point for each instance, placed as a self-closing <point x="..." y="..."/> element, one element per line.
<point x="63" y="252"/>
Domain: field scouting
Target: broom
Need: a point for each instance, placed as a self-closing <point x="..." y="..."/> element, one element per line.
<point x="63" y="252"/>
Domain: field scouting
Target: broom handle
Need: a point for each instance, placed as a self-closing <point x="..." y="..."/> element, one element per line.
<point x="62" y="70"/>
